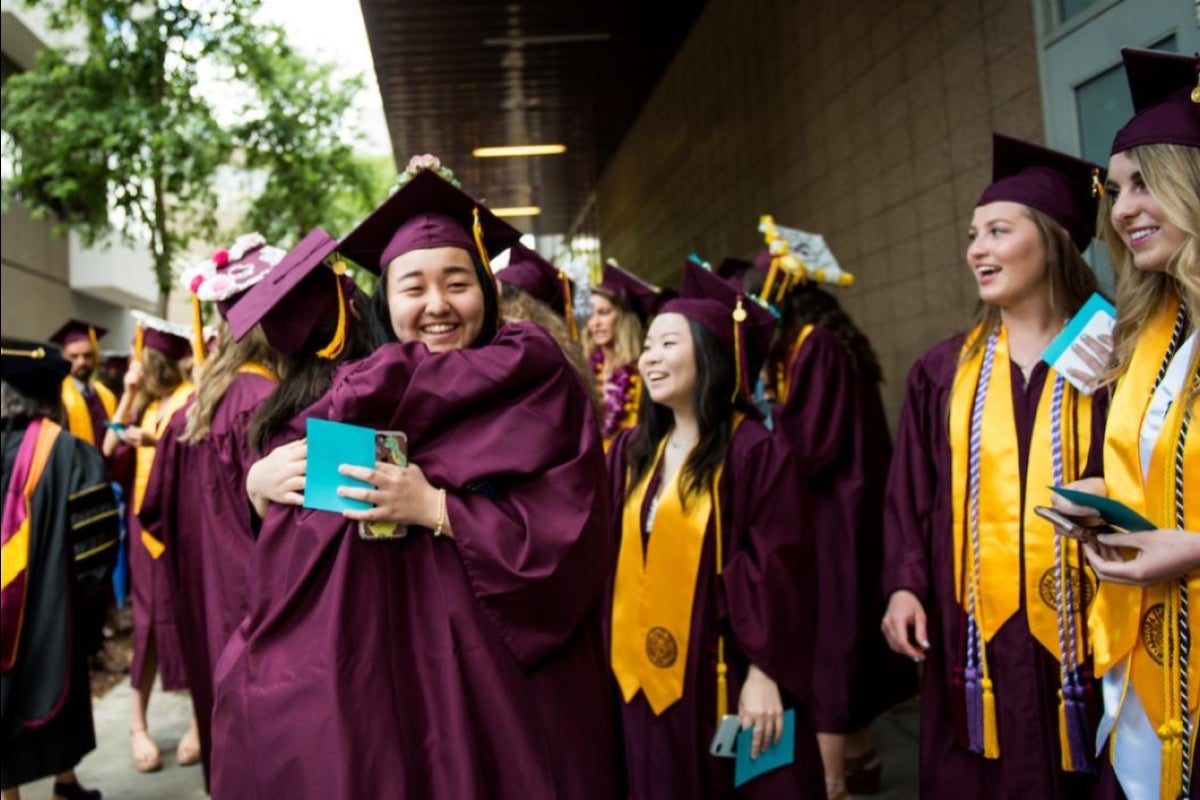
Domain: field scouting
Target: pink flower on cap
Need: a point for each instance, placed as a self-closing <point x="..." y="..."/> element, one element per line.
<point x="427" y="161"/>
<point x="221" y="258"/>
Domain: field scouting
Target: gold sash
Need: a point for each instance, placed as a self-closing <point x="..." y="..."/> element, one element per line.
<point x="783" y="374"/>
<point x="79" y="416"/>
<point x="262" y="370"/>
<point x="655" y="589"/>
<point x="156" y="423"/>
<point x="1135" y="625"/>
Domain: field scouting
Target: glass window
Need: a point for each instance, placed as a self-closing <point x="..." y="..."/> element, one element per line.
<point x="1071" y="8"/>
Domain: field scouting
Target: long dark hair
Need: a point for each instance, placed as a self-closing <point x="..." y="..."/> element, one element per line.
<point x="809" y="304"/>
<point x="714" y="407"/>
<point x="381" y="318"/>
<point x="306" y="377"/>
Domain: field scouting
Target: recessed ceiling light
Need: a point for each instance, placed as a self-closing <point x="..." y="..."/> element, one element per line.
<point x="517" y="211"/>
<point x="519" y="150"/>
<point x="562" y="38"/>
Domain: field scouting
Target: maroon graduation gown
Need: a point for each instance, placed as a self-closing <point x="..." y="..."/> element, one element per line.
<point x="763" y="604"/>
<point x="436" y="667"/>
<point x="919" y="557"/>
<point x="196" y="504"/>
<point x="834" y="422"/>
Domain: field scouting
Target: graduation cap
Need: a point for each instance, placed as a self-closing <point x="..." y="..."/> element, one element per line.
<point x="168" y="338"/>
<point x="735" y="269"/>
<point x="541" y="280"/>
<point x="303" y="293"/>
<point x="742" y="324"/>
<point x="1065" y="188"/>
<point x="427" y="211"/>
<point x="114" y="361"/>
<point x="34" y="370"/>
<point x="76" y="330"/>
<point x="223" y="277"/>
<point x="630" y="291"/>
<point x="793" y="257"/>
<point x="1165" y="89"/>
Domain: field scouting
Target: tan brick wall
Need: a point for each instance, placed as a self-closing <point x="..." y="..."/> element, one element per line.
<point x="868" y="121"/>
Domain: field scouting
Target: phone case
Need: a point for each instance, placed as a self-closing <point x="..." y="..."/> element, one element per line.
<point x="391" y="447"/>
<point x="724" y="741"/>
<point x="1081" y="529"/>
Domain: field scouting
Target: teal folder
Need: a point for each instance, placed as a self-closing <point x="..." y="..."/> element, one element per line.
<point x="331" y="444"/>
<point x="777" y="755"/>
<point x="1111" y="511"/>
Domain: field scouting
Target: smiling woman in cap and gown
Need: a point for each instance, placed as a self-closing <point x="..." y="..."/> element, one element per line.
<point x="156" y="388"/>
<point x="712" y="603"/>
<point x="979" y="587"/>
<point x="195" y="501"/>
<point x="59" y="541"/>
<point x="824" y="380"/>
<point x="463" y="659"/>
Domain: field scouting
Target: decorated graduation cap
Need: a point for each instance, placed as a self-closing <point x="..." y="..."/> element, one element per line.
<point x="427" y="211"/>
<point x="76" y="330"/>
<point x="742" y="324"/>
<point x="541" y="280"/>
<point x="630" y="291"/>
<point x="793" y="257"/>
<point x="168" y="338"/>
<point x="303" y="293"/>
<point x="34" y="370"/>
<point x="1065" y="188"/>
<point x="223" y="277"/>
<point x="1165" y="89"/>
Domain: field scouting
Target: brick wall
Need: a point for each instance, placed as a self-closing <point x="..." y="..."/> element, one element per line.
<point x="868" y="121"/>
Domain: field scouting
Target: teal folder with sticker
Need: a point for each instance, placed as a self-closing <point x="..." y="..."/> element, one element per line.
<point x="777" y="755"/>
<point x="331" y="444"/>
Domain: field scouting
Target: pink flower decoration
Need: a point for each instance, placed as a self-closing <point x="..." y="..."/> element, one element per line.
<point x="221" y="258"/>
<point x="195" y="285"/>
<point x="220" y="286"/>
<point x="426" y="161"/>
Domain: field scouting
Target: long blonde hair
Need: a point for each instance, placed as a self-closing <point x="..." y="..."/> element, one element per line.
<point x="1072" y="281"/>
<point x="218" y="373"/>
<point x="161" y="375"/>
<point x="1171" y="174"/>
<point x="627" y="332"/>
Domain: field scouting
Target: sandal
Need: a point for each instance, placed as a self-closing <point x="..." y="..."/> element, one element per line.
<point x="864" y="774"/>
<point x="73" y="791"/>
<point x="188" y="752"/>
<point x="145" y="759"/>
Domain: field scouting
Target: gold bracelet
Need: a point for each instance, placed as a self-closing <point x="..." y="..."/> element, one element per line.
<point x="441" y="513"/>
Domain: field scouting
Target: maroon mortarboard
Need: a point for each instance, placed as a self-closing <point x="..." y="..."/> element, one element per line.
<point x="426" y="212"/>
<point x="1063" y="187"/>
<point x="115" y="362"/>
<point x="33" y="369"/>
<point x="168" y="338"/>
<point x="743" y="325"/>
<point x="76" y="330"/>
<point x="301" y="295"/>
<point x="734" y="270"/>
<point x="1165" y="89"/>
<point x="629" y="290"/>
<point x="541" y="280"/>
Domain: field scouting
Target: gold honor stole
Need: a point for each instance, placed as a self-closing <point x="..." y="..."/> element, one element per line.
<point x="79" y="417"/>
<point x="32" y="458"/>
<point x="1135" y="625"/>
<point x="256" y="368"/>
<point x="1001" y="515"/>
<point x="655" y="590"/>
<point x="783" y="374"/>
<point x="155" y="421"/>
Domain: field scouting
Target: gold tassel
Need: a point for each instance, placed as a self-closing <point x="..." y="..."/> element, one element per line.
<point x="569" y="306"/>
<point x="338" y="342"/>
<point x="1097" y="186"/>
<point x="138" y="337"/>
<point x="739" y="316"/>
<point x="477" y="229"/>
<point x="94" y="339"/>
<point x="197" y="332"/>
<point x="991" y="739"/>
<point x="722" y="681"/>
<point x="1064" y="739"/>
<point x="1171" y="775"/>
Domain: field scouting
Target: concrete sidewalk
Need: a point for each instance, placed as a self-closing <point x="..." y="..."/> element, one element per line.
<point x="109" y="767"/>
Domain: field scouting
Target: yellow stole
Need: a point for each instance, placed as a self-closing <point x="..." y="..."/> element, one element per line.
<point x="1002" y="516"/>
<point x="79" y="418"/>
<point x="655" y="590"/>
<point x="155" y="419"/>
<point x="1139" y="626"/>
<point x="255" y="368"/>
<point x="783" y="372"/>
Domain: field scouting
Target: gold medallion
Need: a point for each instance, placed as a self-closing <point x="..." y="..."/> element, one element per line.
<point x="661" y="648"/>
<point x="1046" y="589"/>
<point x="1152" y="632"/>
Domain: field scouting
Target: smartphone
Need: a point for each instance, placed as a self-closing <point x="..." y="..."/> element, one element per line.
<point x="391" y="447"/>
<point x="1083" y="529"/>
<point x="724" y="741"/>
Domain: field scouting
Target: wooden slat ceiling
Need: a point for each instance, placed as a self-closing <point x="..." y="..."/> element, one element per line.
<point x="456" y="75"/>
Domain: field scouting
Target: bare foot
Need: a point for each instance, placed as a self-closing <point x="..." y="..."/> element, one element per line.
<point x="188" y="751"/>
<point x="146" y="757"/>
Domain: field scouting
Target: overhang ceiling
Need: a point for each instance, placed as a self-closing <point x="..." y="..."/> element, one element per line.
<point x="455" y="75"/>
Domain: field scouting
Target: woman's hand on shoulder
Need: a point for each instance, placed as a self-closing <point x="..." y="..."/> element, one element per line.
<point x="761" y="707"/>
<point x="278" y="477"/>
